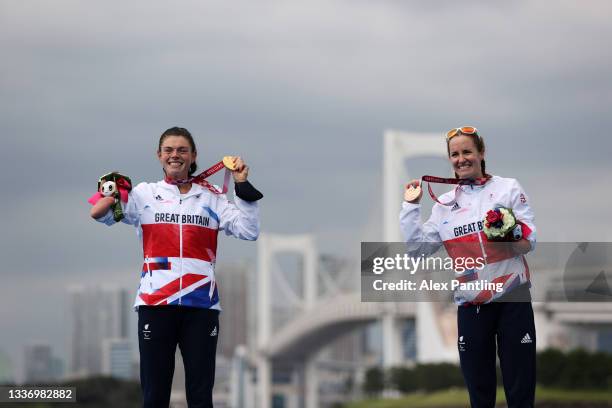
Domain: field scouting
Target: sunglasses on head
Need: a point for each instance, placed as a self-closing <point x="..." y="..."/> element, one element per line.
<point x="465" y="130"/>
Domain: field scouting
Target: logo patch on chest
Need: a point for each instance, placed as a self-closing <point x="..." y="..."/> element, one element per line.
<point x="161" y="199"/>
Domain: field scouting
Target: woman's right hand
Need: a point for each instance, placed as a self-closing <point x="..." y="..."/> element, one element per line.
<point x="101" y="207"/>
<point x="409" y="191"/>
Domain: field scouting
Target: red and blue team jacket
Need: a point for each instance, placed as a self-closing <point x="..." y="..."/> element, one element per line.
<point x="178" y="233"/>
<point x="460" y="229"/>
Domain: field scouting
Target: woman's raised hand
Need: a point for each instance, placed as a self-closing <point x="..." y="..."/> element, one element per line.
<point x="413" y="192"/>
<point x="241" y="170"/>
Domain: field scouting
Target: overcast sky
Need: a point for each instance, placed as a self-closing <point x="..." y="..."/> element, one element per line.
<point x="304" y="92"/>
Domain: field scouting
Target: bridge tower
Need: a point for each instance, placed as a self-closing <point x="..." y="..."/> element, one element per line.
<point x="400" y="146"/>
<point x="269" y="245"/>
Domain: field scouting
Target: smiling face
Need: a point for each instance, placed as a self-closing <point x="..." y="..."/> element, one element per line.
<point x="176" y="155"/>
<point x="465" y="157"/>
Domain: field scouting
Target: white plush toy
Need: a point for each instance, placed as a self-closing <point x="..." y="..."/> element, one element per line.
<point x="108" y="188"/>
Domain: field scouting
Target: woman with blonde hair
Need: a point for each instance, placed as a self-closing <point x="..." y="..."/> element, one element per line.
<point x="488" y="320"/>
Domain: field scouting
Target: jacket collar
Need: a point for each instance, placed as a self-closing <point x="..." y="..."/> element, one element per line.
<point x="468" y="188"/>
<point x="194" y="190"/>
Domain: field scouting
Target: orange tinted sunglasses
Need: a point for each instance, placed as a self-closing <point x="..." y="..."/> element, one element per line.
<point x="465" y="130"/>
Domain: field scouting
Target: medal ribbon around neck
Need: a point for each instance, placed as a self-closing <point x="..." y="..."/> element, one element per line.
<point x="200" y="179"/>
<point x="460" y="182"/>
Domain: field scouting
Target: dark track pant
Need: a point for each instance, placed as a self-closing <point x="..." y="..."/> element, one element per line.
<point x="512" y="327"/>
<point x="195" y="330"/>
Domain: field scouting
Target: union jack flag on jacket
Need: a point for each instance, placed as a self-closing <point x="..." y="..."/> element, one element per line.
<point x="178" y="233"/>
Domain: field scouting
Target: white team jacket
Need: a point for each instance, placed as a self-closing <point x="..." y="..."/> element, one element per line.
<point x="459" y="229"/>
<point x="178" y="234"/>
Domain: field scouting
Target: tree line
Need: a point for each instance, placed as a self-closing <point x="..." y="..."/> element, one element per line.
<point x="576" y="369"/>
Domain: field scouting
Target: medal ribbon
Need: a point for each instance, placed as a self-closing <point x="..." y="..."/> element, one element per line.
<point x="460" y="182"/>
<point x="200" y="178"/>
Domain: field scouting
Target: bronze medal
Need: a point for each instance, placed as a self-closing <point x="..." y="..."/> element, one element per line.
<point x="412" y="193"/>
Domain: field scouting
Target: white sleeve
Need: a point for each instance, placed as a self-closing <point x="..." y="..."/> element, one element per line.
<point x="107" y="218"/>
<point x="130" y="209"/>
<point x="421" y="238"/>
<point x="522" y="211"/>
<point x="240" y="218"/>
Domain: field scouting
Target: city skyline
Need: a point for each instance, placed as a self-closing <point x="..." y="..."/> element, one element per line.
<point x="97" y="314"/>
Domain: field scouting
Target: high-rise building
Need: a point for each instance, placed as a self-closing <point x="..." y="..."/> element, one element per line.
<point x="97" y="313"/>
<point x="6" y="369"/>
<point x="233" y="284"/>
<point x="117" y="358"/>
<point x="38" y="362"/>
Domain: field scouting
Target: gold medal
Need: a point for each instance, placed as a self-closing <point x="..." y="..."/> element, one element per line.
<point x="228" y="161"/>
<point x="412" y="193"/>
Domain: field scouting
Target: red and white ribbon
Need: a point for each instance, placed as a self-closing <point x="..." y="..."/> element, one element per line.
<point x="460" y="182"/>
<point x="201" y="178"/>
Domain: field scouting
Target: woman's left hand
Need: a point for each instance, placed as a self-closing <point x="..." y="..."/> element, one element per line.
<point x="241" y="170"/>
